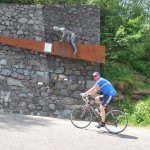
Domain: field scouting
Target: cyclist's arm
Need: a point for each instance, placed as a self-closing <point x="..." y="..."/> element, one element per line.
<point x="62" y="38"/>
<point x="92" y="90"/>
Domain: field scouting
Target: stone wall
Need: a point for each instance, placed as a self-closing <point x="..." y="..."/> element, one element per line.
<point x="41" y="84"/>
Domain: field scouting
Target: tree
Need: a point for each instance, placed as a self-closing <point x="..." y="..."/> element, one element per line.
<point x="124" y="24"/>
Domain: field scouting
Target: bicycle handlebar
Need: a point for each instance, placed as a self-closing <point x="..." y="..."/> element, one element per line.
<point x="87" y="99"/>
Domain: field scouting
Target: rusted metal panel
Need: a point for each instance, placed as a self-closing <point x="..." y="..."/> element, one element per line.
<point x="24" y="43"/>
<point x="94" y="53"/>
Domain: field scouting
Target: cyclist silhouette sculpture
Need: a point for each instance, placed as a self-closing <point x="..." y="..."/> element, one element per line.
<point x="68" y="36"/>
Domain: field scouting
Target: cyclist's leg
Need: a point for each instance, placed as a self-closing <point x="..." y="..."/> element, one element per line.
<point x="73" y="42"/>
<point x="106" y="100"/>
<point x="98" y="100"/>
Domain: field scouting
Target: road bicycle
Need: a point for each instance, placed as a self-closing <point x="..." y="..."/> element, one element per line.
<point x="82" y="116"/>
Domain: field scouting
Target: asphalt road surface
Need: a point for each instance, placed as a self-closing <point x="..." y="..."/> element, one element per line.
<point x="22" y="132"/>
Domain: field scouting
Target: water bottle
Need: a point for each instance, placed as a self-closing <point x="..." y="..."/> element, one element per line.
<point x="96" y="110"/>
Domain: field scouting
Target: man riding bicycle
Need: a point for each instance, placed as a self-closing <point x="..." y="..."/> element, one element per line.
<point x="108" y="95"/>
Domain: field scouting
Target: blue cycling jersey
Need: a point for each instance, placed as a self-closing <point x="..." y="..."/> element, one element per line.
<point x="106" y="87"/>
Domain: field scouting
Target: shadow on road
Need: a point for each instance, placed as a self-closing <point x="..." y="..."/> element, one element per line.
<point x="125" y="136"/>
<point x="121" y="135"/>
<point x="21" y="122"/>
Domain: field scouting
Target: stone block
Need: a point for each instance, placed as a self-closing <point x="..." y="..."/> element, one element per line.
<point x="14" y="82"/>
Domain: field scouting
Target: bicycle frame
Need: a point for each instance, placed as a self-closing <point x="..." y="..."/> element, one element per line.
<point x="88" y="104"/>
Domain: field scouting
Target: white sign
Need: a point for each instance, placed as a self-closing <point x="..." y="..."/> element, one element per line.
<point x="40" y="83"/>
<point x="48" y="47"/>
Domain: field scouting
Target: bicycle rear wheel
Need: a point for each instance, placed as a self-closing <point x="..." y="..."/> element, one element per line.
<point x="116" y="121"/>
<point x="81" y="117"/>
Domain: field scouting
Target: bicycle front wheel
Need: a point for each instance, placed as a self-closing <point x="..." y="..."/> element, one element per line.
<point x="81" y="117"/>
<point x="116" y="121"/>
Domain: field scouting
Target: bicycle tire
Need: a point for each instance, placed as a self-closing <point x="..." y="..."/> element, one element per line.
<point x="81" y="117"/>
<point x="116" y="121"/>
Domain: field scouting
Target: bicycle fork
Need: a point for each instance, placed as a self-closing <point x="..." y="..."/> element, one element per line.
<point x="84" y="111"/>
<point x="97" y="114"/>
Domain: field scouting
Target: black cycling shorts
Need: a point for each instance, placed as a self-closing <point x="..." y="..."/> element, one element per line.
<point x="106" y="99"/>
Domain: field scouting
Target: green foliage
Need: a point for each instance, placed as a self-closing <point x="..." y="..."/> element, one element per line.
<point x="125" y="31"/>
<point x="113" y="71"/>
<point x="126" y="105"/>
<point x="141" y="115"/>
<point x="138" y="113"/>
<point x="143" y="67"/>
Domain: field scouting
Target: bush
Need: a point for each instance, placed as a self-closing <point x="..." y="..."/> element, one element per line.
<point x="141" y="115"/>
<point x="142" y="67"/>
<point x="126" y="105"/>
<point x="138" y="113"/>
<point x="112" y="70"/>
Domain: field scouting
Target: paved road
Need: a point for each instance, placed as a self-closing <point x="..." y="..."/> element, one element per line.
<point x="20" y="132"/>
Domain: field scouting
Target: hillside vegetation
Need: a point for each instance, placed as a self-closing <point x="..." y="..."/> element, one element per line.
<point x="125" y="31"/>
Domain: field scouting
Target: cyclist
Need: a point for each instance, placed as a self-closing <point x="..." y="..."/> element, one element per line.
<point x="108" y="95"/>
